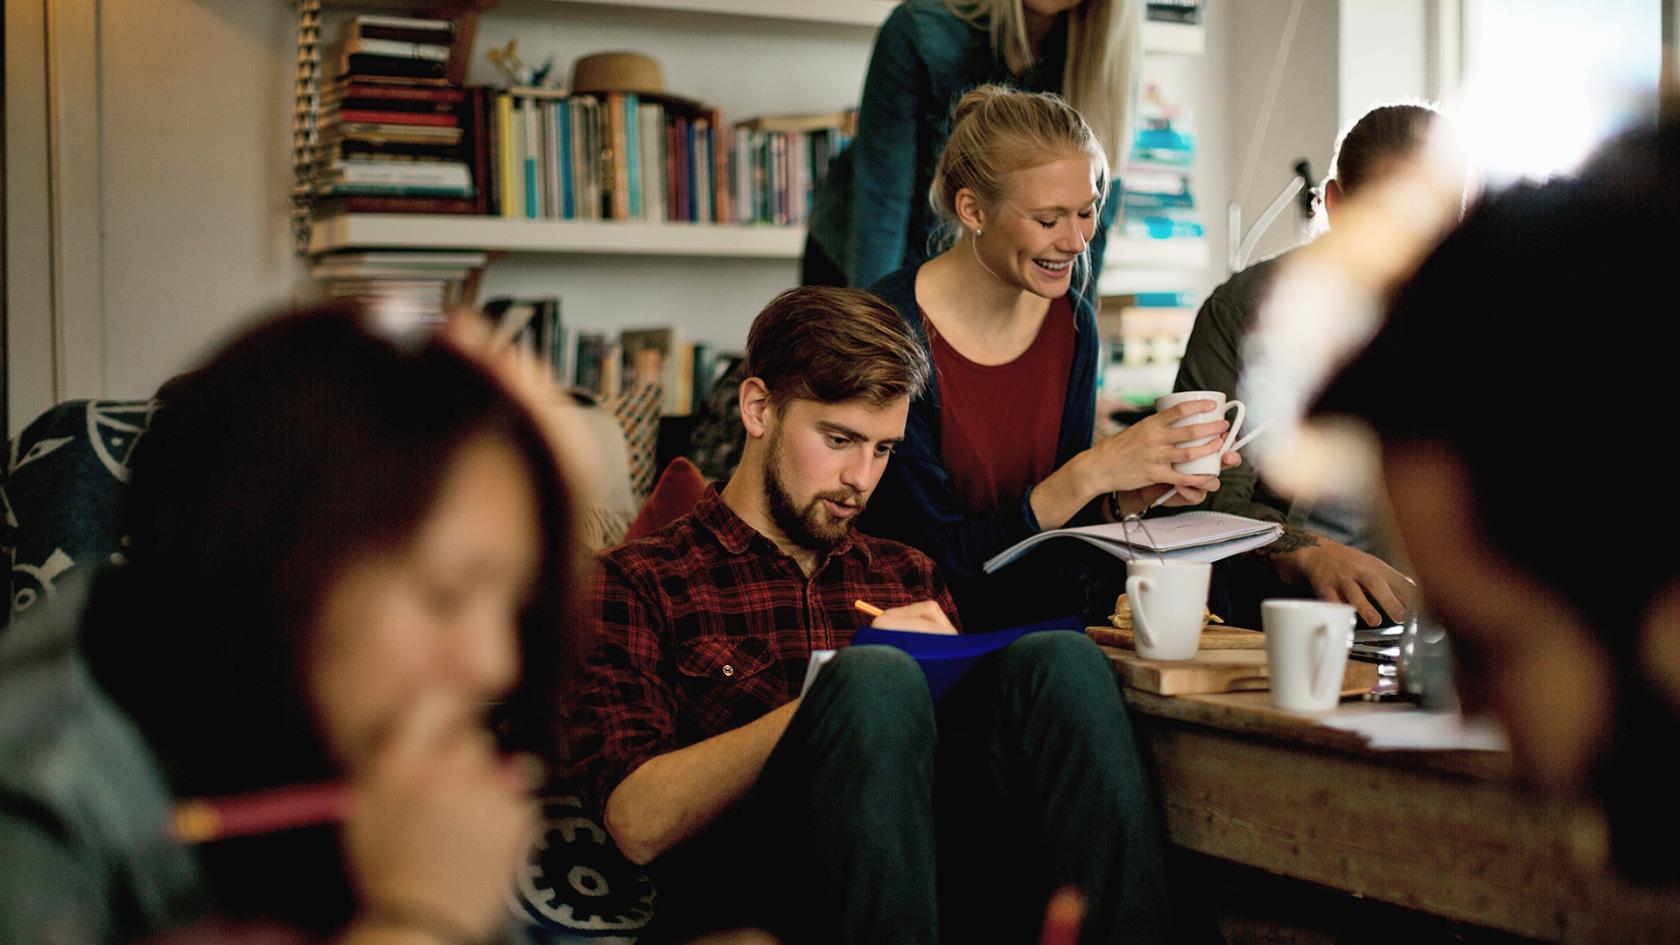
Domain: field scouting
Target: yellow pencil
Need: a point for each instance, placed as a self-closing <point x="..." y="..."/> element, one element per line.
<point x="868" y="608"/>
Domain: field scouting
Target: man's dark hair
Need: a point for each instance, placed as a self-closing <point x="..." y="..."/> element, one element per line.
<point x="830" y="345"/>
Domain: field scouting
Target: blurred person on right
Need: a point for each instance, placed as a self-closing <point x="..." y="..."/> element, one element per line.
<point x="1518" y="393"/>
<point x="1329" y="548"/>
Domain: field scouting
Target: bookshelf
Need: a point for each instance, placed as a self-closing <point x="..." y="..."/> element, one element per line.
<point x="350" y="231"/>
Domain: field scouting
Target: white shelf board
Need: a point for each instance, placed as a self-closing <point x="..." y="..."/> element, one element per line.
<point x="495" y="234"/>
<point x="850" y="12"/>
<point x="1183" y="39"/>
<point x="868" y="13"/>
<point x="1123" y="280"/>
<point x="1184" y="253"/>
<point x="1174" y="38"/>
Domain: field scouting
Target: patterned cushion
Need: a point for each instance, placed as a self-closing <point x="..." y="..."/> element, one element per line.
<point x="60" y="493"/>
<point x="60" y="496"/>
<point x="603" y="519"/>
<point x="576" y="887"/>
<point x="719" y="436"/>
<point x="637" y="410"/>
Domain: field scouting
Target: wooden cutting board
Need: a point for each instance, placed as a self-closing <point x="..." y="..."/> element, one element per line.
<point x="1215" y="637"/>
<point x="1214" y="671"/>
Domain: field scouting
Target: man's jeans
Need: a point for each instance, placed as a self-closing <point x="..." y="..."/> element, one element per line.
<point x="881" y="818"/>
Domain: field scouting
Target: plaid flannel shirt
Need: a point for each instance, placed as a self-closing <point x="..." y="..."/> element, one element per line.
<point x="706" y="625"/>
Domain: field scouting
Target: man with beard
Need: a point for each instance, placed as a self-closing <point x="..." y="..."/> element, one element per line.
<point x="859" y="812"/>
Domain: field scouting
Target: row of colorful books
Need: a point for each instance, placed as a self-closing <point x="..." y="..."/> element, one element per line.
<point x="608" y="364"/>
<point x="627" y="157"/>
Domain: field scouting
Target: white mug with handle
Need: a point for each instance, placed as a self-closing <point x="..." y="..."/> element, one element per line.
<point x="1169" y="603"/>
<point x="1307" y="644"/>
<point x="1210" y="464"/>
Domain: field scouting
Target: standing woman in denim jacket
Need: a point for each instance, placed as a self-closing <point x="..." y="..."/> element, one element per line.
<point x="871" y="216"/>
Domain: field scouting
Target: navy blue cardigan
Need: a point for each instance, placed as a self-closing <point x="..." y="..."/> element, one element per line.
<point x="915" y="502"/>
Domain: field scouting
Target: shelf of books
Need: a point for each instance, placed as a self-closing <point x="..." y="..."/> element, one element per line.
<point x="406" y="160"/>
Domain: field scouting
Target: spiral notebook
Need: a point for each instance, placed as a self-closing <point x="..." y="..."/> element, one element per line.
<point x="1191" y="536"/>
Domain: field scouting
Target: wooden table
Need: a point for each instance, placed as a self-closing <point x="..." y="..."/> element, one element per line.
<point x="1444" y="832"/>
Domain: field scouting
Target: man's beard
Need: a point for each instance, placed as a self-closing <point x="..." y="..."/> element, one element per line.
<point x="811" y="527"/>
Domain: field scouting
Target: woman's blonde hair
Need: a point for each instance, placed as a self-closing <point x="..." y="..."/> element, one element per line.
<point x="1103" y="50"/>
<point x="996" y="131"/>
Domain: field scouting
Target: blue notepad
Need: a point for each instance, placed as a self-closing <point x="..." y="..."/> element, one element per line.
<point x="945" y="658"/>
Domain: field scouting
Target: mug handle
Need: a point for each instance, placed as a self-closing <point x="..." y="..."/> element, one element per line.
<point x="1236" y="425"/>
<point x="1320" y="651"/>
<point x="1135" y="588"/>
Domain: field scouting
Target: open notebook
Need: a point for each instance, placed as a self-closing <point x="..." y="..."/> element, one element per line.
<point x="1191" y="536"/>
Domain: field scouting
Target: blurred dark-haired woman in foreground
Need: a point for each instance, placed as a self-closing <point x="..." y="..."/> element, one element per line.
<point x="340" y="624"/>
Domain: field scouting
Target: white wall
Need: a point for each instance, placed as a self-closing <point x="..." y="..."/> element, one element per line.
<point x="196" y="128"/>
<point x="29" y="343"/>
<point x="1387" y="42"/>
<point x="1304" y="118"/>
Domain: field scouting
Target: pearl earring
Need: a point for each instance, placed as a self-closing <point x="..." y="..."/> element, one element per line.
<point x="977" y="232"/>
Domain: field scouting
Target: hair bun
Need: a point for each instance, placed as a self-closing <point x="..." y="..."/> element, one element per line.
<point x="975" y="99"/>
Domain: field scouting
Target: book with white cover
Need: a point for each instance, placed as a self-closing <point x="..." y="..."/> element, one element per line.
<point x="1191" y="536"/>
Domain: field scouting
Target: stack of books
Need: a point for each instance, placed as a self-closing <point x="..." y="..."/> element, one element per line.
<point x="391" y="124"/>
<point x="779" y="163"/>
<point x="1142" y="337"/>
<point x="1158" y="202"/>
<point x="425" y="281"/>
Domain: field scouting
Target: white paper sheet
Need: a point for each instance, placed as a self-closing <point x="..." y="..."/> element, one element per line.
<point x="1420" y="730"/>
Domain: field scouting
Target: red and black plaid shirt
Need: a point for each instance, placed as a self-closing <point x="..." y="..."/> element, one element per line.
<point x="706" y="625"/>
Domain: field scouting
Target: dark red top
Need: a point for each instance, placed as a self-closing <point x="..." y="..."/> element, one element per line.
<point x="998" y="424"/>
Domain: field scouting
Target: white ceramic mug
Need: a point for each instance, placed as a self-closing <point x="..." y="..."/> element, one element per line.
<point x="1307" y="644"/>
<point x="1208" y="465"/>
<point x="1169" y="602"/>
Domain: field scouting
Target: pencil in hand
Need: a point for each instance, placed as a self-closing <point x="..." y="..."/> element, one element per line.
<point x="868" y="608"/>
<point x="204" y="820"/>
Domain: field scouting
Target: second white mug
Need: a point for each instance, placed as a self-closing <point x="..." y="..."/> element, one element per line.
<point x="1307" y="643"/>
